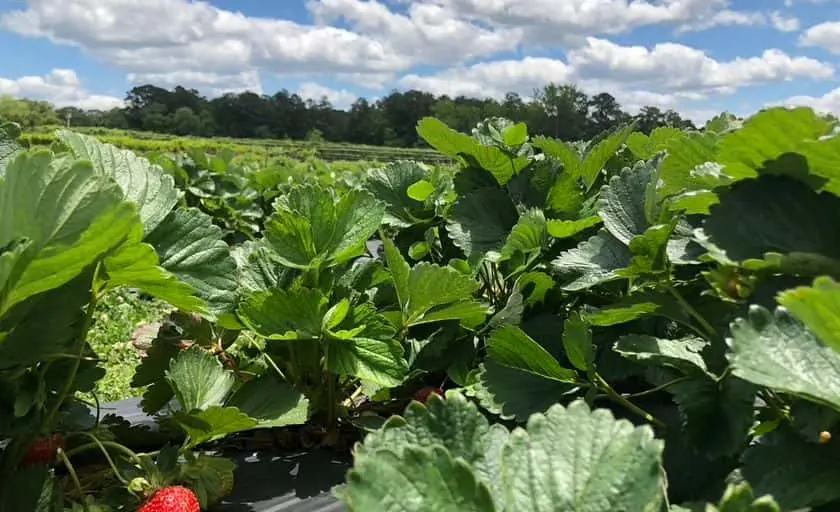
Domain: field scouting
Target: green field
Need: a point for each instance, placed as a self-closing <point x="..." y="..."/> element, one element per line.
<point x="327" y="151"/>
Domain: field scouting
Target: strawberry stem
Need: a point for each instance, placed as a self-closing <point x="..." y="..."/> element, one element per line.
<point x="74" y="477"/>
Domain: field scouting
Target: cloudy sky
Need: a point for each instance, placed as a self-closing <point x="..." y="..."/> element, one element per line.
<point x="697" y="56"/>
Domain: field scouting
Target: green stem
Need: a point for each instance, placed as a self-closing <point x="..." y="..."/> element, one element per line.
<point x="80" y="349"/>
<point x="604" y="385"/>
<point x="710" y="331"/>
<point x="274" y="365"/>
<point x="102" y="445"/>
<point x="73" y="476"/>
<point x="107" y="455"/>
<point x="658" y="388"/>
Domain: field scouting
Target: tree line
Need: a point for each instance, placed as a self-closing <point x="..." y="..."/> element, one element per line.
<point x="560" y="111"/>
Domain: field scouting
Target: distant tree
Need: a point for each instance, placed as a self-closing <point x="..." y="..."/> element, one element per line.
<point x="563" y="111"/>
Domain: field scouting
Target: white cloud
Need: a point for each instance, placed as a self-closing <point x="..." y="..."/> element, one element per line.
<point x="428" y="33"/>
<point x="164" y="36"/>
<point x="825" y="35"/>
<point x="60" y="87"/>
<point x="827" y="103"/>
<point x="784" y="23"/>
<point x="566" y="21"/>
<point x="341" y="99"/>
<point x="492" y="79"/>
<point x="676" y="67"/>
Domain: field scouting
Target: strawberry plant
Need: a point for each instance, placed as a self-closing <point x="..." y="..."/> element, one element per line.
<point x="637" y="322"/>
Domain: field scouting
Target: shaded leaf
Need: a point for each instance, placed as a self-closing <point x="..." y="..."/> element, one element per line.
<point x="480" y="222"/>
<point x="271" y="402"/>
<point x="593" y="262"/>
<point x="684" y="353"/>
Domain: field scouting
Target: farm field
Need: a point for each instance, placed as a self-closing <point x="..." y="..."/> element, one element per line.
<point x="149" y="141"/>
<point x="644" y="322"/>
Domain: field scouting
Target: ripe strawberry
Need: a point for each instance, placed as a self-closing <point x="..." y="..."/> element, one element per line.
<point x="43" y="450"/>
<point x="422" y="395"/>
<point x="174" y="498"/>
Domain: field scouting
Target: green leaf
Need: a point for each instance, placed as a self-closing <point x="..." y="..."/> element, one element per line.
<point x="9" y="147"/>
<point x="570" y="228"/>
<point x="684" y="354"/>
<point x="717" y="415"/>
<point x="528" y="236"/>
<point x="135" y="265"/>
<point x="767" y="137"/>
<point x="777" y="351"/>
<point x="818" y="307"/>
<point x="420" y="480"/>
<point x="418" y="250"/>
<point x="190" y="246"/>
<point x="511" y="347"/>
<point x="774" y="214"/>
<point x="403" y="186"/>
<point x="145" y="184"/>
<point x="420" y="190"/>
<point x="214" y="423"/>
<point x="315" y="225"/>
<point x="623" y="205"/>
<point x="27" y="339"/>
<point x="644" y="147"/>
<point x="454" y="424"/>
<point x="534" y="287"/>
<point x="577" y="340"/>
<point x="480" y="222"/>
<point x="686" y="151"/>
<point x="209" y="477"/>
<point x="635" y="306"/>
<point x="271" y="402"/>
<point x="598" y="156"/>
<point x="490" y="158"/>
<point x="56" y="219"/>
<point x="198" y="379"/>
<point x="284" y="315"/>
<point x="431" y="293"/>
<point x="379" y="361"/>
<point x="798" y="474"/>
<point x="516" y="134"/>
<point x="567" y="459"/>
<point x="258" y="268"/>
<point x="577" y="459"/>
<point x="740" y="498"/>
<point x="515" y="394"/>
<point x="593" y="262"/>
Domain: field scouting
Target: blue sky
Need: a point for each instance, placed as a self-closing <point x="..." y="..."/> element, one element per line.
<point x="697" y="56"/>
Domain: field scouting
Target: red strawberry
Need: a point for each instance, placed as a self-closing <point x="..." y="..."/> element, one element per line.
<point x="174" y="498"/>
<point x="43" y="450"/>
<point x="422" y="395"/>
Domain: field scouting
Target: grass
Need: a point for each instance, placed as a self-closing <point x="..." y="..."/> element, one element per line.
<point x="116" y="317"/>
